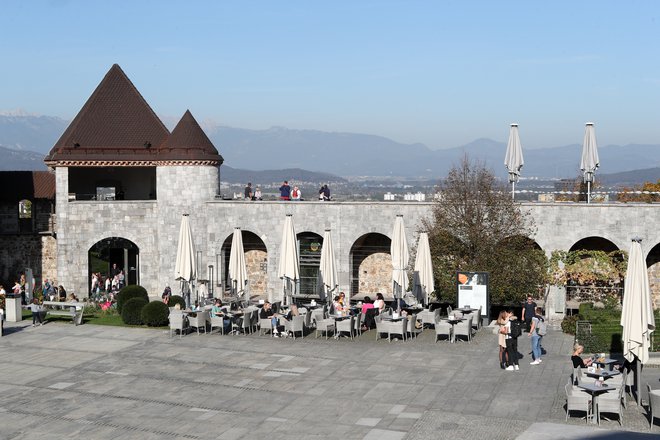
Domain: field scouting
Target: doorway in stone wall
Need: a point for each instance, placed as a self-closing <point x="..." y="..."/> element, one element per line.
<point x="371" y="265"/>
<point x="256" y="262"/>
<point x="106" y="253"/>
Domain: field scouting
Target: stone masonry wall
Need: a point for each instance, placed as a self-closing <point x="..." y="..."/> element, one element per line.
<point x="375" y="275"/>
<point x="18" y="252"/>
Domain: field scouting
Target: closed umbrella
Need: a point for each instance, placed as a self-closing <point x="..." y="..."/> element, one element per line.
<point x="237" y="268"/>
<point x="590" y="160"/>
<point x="400" y="257"/>
<point x="513" y="160"/>
<point x="288" y="269"/>
<point x="328" y="267"/>
<point x="185" y="269"/>
<point x="423" y="275"/>
<point x="637" y="312"/>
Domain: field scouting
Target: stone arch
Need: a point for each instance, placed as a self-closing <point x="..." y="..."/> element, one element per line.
<point x="110" y="255"/>
<point x="371" y="265"/>
<point x="653" y="269"/>
<point x="594" y="243"/>
<point x="256" y="261"/>
<point x="309" y="258"/>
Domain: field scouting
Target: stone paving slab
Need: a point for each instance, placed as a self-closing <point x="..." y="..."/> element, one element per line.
<point x="62" y="381"/>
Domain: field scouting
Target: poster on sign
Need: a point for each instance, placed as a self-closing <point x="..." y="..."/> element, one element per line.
<point x="473" y="290"/>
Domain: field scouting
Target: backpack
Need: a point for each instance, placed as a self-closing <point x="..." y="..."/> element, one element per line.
<point x="541" y="327"/>
<point x="516" y="328"/>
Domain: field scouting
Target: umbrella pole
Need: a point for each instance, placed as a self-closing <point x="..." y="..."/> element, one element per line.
<point x="513" y="190"/>
<point x="588" y="191"/>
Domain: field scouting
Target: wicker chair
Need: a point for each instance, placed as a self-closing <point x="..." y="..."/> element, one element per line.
<point x="610" y="403"/>
<point x="177" y="322"/>
<point x="654" y="405"/>
<point x="198" y="321"/>
<point x="464" y="328"/>
<point x="442" y="328"/>
<point x="295" y="325"/>
<point x="218" y="321"/>
<point x="412" y="326"/>
<point x="577" y="401"/>
<point x="324" y="326"/>
<point x="346" y="325"/>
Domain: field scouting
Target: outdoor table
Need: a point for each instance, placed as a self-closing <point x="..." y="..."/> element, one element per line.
<point x="338" y="317"/>
<point x="393" y="319"/>
<point x="605" y="374"/>
<point x="453" y="322"/>
<point x="311" y="306"/>
<point x="465" y="311"/>
<point x="607" y="361"/>
<point x="595" y="391"/>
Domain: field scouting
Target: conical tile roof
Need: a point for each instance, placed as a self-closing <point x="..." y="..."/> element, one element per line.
<point x="189" y="142"/>
<point x="116" y="123"/>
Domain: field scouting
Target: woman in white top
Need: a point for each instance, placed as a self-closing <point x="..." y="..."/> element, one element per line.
<point x="379" y="304"/>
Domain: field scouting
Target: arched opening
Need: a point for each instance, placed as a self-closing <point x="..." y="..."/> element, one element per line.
<point x="653" y="269"/>
<point x="309" y="257"/>
<point x="112" y="256"/>
<point x="371" y="265"/>
<point x="594" y="244"/>
<point x="256" y="262"/>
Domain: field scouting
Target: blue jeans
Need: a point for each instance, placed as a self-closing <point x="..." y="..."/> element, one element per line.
<point x="536" y="346"/>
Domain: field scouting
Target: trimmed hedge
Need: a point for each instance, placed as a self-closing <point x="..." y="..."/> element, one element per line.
<point x="174" y="299"/>
<point x="131" y="312"/>
<point x="155" y="314"/>
<point x="128" y="292"/>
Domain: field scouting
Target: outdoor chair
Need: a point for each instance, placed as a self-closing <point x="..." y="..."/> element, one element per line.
<point x="264" y="325"/>
<point x="297" y="324"/>
<point x="428" y="317"/>
<point x="218" y="321"/>
<point x="449" y="310"/>
<point x="442" y="328"/>
<point x="198" y="321"/>
<point x="610" y="403"/>
<point x="654" y="405"/>
<point x="177" y="322"/>
<point x="476" y="322"/>
<point x="359" y="322"/>
<point x="577" y="401"/>
<point x="324" y="326"/>
<point x="318" y="314"/>
<point x="397" y="328"/>
<point x="464" y="328"/>
<point x="577" y="375"/>
<point x="245" y="324"/>
<point x="346" y="325"/>
<point x="381" y="326"/>
<point x="308" y="320"/>
<point x="620" y="382"/>
<point x="412" y="326"/>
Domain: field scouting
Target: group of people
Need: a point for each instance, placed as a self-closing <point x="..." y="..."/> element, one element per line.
<point x="249" y="194"/>
<point x="288" y="193"/>
<point x="110" y="285"/>
<point x="510" y="329"/>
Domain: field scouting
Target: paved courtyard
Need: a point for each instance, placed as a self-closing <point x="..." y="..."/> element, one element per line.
<point x="60" y="381"/>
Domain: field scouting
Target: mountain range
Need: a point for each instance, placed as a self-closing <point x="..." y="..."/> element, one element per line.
<point x="25" y="137"/>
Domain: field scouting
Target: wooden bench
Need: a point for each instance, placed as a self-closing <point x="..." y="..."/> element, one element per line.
<point x="74" y="310"/>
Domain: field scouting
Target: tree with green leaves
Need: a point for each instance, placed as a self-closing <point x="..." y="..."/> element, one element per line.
<point x="477" y="227"/>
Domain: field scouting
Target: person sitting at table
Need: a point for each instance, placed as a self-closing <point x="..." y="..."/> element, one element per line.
<point x="266" y="313"/>
<point x="369" y="314"/>
<point x="293" y="311"/>
<point x="379" y="304"/>
<point x="337" y="304"/>
<point x="577" y="360"/>
<point x="218" y="310"/>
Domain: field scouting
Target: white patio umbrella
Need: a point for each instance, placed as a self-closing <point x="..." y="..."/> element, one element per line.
<point x="400" y="257"/>
<point x="237" y="268"/>
<point x="328" y="279"/>
<point x="513" y="160"/>
<point x="289" y="269"/>
<point x="637" y="312"/>
<point x="423" y="275"/>
<point x="590" y="161"/>
<point x="185" y="269"/>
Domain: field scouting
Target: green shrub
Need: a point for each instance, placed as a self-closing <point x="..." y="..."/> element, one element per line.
<point x="568" y="324"/>
<point x="155" y="314"/>
<point x="176" y="299"/>
<point x="131" y="312"/>
<point x="128" y="292"/>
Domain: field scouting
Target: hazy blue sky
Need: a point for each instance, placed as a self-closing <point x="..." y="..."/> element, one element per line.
<point x="439" y="72"/>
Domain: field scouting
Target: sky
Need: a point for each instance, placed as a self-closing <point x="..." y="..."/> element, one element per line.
<point x="442" y="73"/>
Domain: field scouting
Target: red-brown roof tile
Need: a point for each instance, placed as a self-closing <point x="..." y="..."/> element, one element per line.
<point x="188" y="142"/>
<point x="26" y="185"/>
<point x="116" y="123"/>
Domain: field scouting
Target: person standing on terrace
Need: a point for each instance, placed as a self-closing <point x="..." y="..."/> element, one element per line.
<point x="285" y="191"/>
